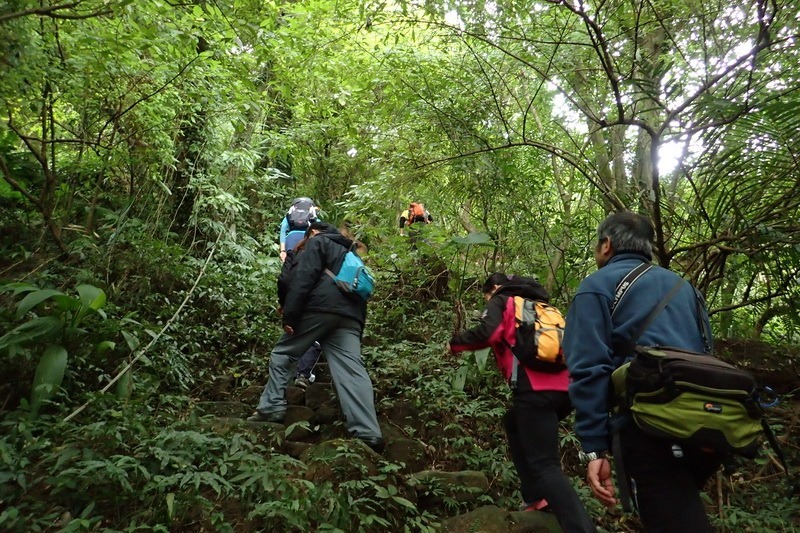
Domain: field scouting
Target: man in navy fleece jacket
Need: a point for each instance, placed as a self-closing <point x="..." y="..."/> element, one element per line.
<point x="665" y="485"/>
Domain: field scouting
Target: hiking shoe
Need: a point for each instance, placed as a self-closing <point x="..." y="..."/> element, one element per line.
<point x="302" y="382"/>
<point x="540" y="505"/>
<point x="376" y="443"/>
<point x="267" y="417"/>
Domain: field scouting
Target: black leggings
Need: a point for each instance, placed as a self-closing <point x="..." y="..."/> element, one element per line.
<point x="532" y="429"/>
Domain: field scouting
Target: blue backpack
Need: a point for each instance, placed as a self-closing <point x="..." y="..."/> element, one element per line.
<point x="354" y="277"/>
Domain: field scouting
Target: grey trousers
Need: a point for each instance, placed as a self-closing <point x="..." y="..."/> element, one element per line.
<point x="340" y="338"/>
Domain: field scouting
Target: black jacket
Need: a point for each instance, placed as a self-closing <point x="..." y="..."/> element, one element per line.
<point x="311" y="289"/>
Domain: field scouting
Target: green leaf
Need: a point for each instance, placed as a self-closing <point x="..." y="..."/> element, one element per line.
<point x="163" y="186"/>
<point x="460" y="378"/>
<point x="170" y="505"/>
<point x="104" y="346"/>
<point x="405" y="503"/>
<point x="31" y="330"/>
<point x="35" y="298"/>
<point x="66" y="302"/>
<point x="19" y="287"/>
<point x="130" y="340"/>
<point x="125" y="385"/>
<point x="92" y="299"/>
<point x="49" y="375"/>
<point x="87" y="512"/>
<point x="481" y="356"/>
<point x="474" y="238"/>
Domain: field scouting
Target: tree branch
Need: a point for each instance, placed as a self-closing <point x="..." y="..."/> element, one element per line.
<point x="17" y="187"/>
<point x="54" y="12"/>
<point x="748" y="302"/>
<point x="554" y="150"/>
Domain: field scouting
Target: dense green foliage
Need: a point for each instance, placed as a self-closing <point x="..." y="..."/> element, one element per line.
<point x="148" y="151"/>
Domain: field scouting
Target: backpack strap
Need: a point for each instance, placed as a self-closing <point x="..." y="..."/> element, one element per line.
<point x="623" y="486"/>
<point x="512" y="382"/>
<point x="656" y="311"/>
<point x="771" y="400"/>
<point x="773" y="442"/>
<point x="704" y="327"/>
<point x="514" y="372"/>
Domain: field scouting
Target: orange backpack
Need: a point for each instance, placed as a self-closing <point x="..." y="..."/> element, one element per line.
<point x="540" y="328"/>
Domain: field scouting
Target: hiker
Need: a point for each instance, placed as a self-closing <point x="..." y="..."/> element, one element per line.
<point x="315" y="309"/>
<point x="305" y="365"/>
<point x="539" y="401"/>
<point x="301" y="214"/>
<point x="664" y="478"/>
<point x="416" y="213"/>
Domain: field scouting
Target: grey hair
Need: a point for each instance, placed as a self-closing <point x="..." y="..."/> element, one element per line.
<point x="628" y="232"/>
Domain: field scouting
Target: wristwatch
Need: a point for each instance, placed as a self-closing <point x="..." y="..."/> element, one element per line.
<point x="586" y="458"/>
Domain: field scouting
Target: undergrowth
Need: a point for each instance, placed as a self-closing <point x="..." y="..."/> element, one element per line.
<point x="131" y="468"/>
<point x="143" y="460"/>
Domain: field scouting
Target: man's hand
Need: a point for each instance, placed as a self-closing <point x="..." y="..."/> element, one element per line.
<point x="598" y="476"/>
<point x="282" y="255"/>
<point x="288" y="329"/>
